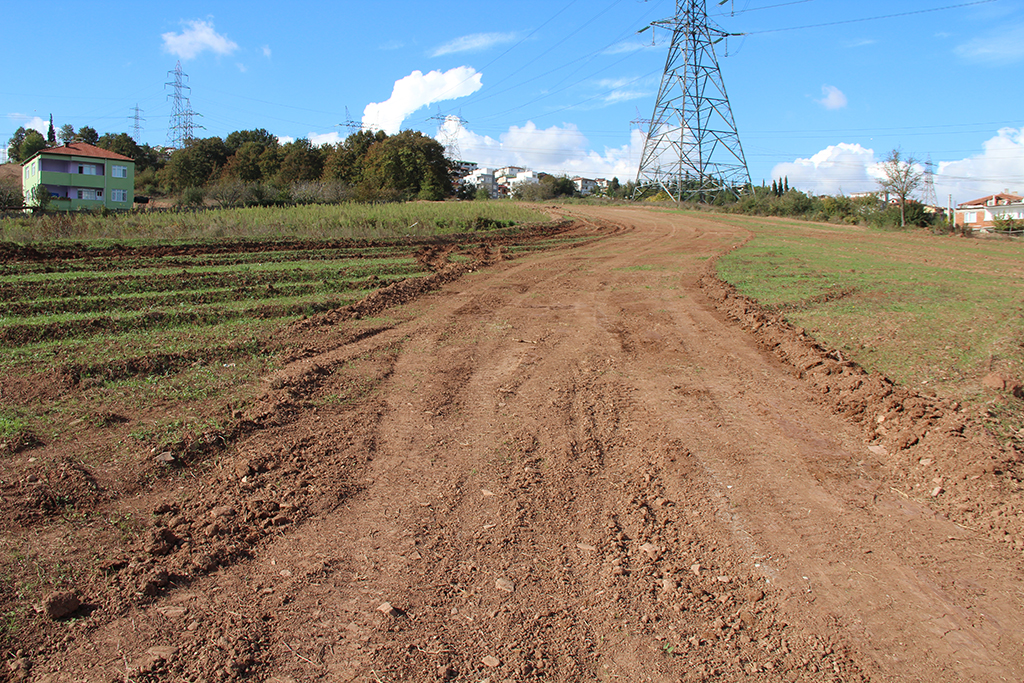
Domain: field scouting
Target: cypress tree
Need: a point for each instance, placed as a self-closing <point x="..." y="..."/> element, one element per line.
<point x="51" y="134"/>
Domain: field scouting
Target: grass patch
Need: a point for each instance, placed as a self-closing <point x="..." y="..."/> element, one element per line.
<point x="337" y="221"/>
<point x="927" y="311"/>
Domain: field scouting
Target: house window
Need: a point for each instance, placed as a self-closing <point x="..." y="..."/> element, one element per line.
<point x="88" y="169"/>
<point x="119" y="195"/>
<point x="87" y="194"/>
<point x="970" y="217"/>
<point x="119" y="172"/>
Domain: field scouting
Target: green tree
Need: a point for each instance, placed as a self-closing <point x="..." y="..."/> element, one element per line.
<point x="66" y="133"/>
<point x="301" y="162"/>
<point x="260" y="136"/>
<point x="615" y="188"/>
<point x="406" y="165"/>
<point x="901" y="178"/>
<point x="88" y="135"/>
<point x="120" y="143"/>
<point x="344" y="161"/>
<point x="245" y="163"/>
<point x="270" y="162"/>
<point x="10" y="194"/>
<point x="41" y="195"/>
<point x="14" y="145"/>
<point x="197" y="163"/>
<point x="33" y="142"/>
<point x="51" y="134"/>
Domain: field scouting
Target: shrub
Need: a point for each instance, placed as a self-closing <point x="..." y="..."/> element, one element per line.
<point x="192" y="196"/>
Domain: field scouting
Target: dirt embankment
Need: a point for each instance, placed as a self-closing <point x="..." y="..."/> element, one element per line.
<point x="931" y="448"/>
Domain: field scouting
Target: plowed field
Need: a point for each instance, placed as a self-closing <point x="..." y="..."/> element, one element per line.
<point x="587" y="462"/>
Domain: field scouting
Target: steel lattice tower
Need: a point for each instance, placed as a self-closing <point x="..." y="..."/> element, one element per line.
<point x="180" y="129"/>
<point x="929" y="198"/>
<point x="137" y="120"/>
<point x="692" y="150"/>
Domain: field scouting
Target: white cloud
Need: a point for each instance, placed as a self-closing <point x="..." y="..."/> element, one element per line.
<point x="198" y="37"/>
<point x="318" y="139"/>
<point x="242" y="67"/>
<point x="284" y="139"/>
<point x="631" y="46"/>
<point x="833" y="98"/>
<point x="34" y="122"/>
<point x="847" y="168"/>
<point x="1003" y="47"/>
<point x="420" y="90"/>
<point x="625" y="89"/>
<point x="473" y="43"/>
<point x="842" y="168"/>
<point x="557" y="150"/>
<point x="1000" y="166"/>
<point x="266" y="51"/>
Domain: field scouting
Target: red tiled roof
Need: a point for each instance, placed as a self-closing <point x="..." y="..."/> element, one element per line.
<point x="998" y="195"/>
<point x="81" y="149"/>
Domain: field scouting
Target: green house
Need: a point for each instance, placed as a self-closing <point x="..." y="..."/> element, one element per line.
<point x="80" y="176"/>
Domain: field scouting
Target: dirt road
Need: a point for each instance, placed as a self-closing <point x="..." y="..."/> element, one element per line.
<point x="569" y="467"/>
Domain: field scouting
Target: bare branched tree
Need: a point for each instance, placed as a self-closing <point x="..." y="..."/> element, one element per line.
<point x="900" y="177"/>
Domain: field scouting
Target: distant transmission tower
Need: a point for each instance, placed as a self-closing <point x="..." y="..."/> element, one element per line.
<point x="136" y="119"/>
<point x="692" y="150"/>
<point x="929" y="198"/>
<point x="448" y="128"/>
<point x="181" y="128"/>
<point x="350" y="123"/>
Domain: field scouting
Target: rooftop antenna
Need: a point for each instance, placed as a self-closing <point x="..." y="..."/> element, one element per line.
<point x="692" y="150"/>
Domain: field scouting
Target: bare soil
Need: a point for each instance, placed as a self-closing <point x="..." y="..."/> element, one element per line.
<point x="591" y="463"/>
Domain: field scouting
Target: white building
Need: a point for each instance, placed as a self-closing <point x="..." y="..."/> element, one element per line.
<point x="483" y="179"/>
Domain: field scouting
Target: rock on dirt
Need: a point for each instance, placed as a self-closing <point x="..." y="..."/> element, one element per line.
<point x="61" y="604"/>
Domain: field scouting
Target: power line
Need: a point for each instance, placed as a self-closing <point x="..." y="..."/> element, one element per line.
<point x="856" y="21"/>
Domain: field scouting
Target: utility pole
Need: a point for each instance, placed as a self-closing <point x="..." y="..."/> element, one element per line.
<point x="692" y="150"/>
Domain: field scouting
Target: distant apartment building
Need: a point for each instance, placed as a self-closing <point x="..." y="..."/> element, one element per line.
<point x="80" y="176"/>
<point x="587" y="186"/>
<point x="979" y="214"/>
<point x="483" y="180"/>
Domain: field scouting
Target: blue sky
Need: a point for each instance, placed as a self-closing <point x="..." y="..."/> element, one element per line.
<point x="821" y="90"/>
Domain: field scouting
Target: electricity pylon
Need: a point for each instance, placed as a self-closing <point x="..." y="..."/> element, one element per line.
<point x="449" y="127"/>
<point x="692" y="150"/>
<point x="137" y="120"/>
<point x="182" y="128"/>
<point x="929" y="198"/>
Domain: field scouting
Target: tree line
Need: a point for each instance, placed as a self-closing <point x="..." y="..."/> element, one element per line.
<point x="368" y="165"/>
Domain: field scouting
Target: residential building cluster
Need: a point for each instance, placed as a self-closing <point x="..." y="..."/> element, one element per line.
<point x="502" y="182"/>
